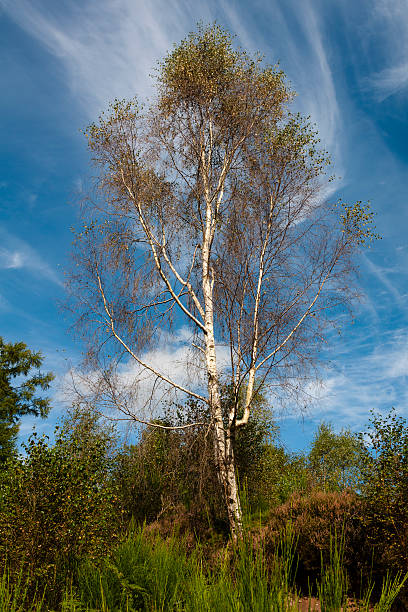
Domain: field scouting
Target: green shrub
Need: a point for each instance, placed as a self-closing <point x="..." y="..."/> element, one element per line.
<point x="57" y="504"/>
<point x="385" y="488"/>
<point x="170" y="473"/>
<point x="336" y="460"/>
<point x="280" y="474"/>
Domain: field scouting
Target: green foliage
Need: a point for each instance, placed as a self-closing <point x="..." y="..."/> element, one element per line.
<point x="251" y="439"/>
<point x="141" y="574"/>
<point x="385" y="487"/>
<point x="170" y="469"/>
<point x="336" y="459"/>
<point x="332" y="588"/>
<point x="391" y="587"/>
<point x="147" y="475"/>
<point x="61" y="509"/>
<point x="148" y="573"/>
<point x="357" y="223"/>
<point x="254" y="444"/>
<point x="333" y="585"/>
<point x="205" y="69"/>
<point x="58" y="503"/>
<point x="279" y="475"/>
<point x="18" y="391"/>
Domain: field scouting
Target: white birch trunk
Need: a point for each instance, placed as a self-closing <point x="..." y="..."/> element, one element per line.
<point x="222" y="437"/>
<point x="223" y="444"/>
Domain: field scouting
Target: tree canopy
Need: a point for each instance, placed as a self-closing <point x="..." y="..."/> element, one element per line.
<point x="18" y="389"/>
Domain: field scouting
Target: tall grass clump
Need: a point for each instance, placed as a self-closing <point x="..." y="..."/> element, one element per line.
<point x="148" y="573"/>
<point x="240" y="581"/>
<point x="333" y="586"/>
<point x="391" y="588"/>
<point x="143" y="573"/>
<point x="14" y="595"/>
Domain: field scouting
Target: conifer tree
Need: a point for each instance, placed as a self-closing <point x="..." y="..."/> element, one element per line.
<point x="18" y="388"/>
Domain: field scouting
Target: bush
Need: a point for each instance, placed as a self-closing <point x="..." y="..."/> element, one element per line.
<point x="315" y="520"/>
<point x="170" y="472"/>
<point x="57" y="504"/>
<point x="143" y="476"/>
<point x="172" y="469"/>
<point x="385" y="491"/>
<point x="280" y="474"/>
<point x="335" y="459"/>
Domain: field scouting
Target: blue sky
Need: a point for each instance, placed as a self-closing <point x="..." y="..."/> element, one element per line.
<point x="62" y="62"/>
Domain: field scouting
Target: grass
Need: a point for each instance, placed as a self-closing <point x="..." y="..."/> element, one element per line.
<point x="158" y="575"/>
<point x="14" y="595"/>
<point x="148" y="573"/>
<point x="332" y="588"/>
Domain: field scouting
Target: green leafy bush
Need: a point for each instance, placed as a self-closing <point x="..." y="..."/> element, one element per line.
<point x="385" y="490"/>
<point x="336" y="459"/>
<point x="57" y="504"/>
<point x="173" y="471"/>
<point x="280" y="474"/>
<point x="170" y="475"/>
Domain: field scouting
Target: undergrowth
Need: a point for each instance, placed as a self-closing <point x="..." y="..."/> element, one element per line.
<point x="152" y="574"/>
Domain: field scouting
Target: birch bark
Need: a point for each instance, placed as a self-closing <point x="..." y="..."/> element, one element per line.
<point x="222" y="435"/>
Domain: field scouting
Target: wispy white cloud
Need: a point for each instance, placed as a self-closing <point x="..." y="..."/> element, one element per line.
<point x="375" y="380"/>
<point x="398" y="366"/>
<point x="107" y="48"/>
<point x="4" y="304"/>
<point x="322" y="96"/>
<point x="306" y="60"/>
<point x="11" y="259"/>
<point x="16" y="254"/>
<point x="389" y="81"/>
<point x="390" y="8"/>
<point x="382" y="274"/>
<point x="390" y="19"/>
<point x="175" y="358"/>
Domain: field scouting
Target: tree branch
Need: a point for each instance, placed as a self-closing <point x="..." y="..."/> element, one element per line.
<point x="136" y="358"/>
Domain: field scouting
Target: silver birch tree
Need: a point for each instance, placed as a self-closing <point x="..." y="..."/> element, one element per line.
<point x="207" y="212"/>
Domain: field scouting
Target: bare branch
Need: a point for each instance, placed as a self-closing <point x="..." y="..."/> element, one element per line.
<point x="152" y="242"/>
<point x="137" y="359"/>
<point x="134" y="418"/>
<point x="298" y="324"/>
